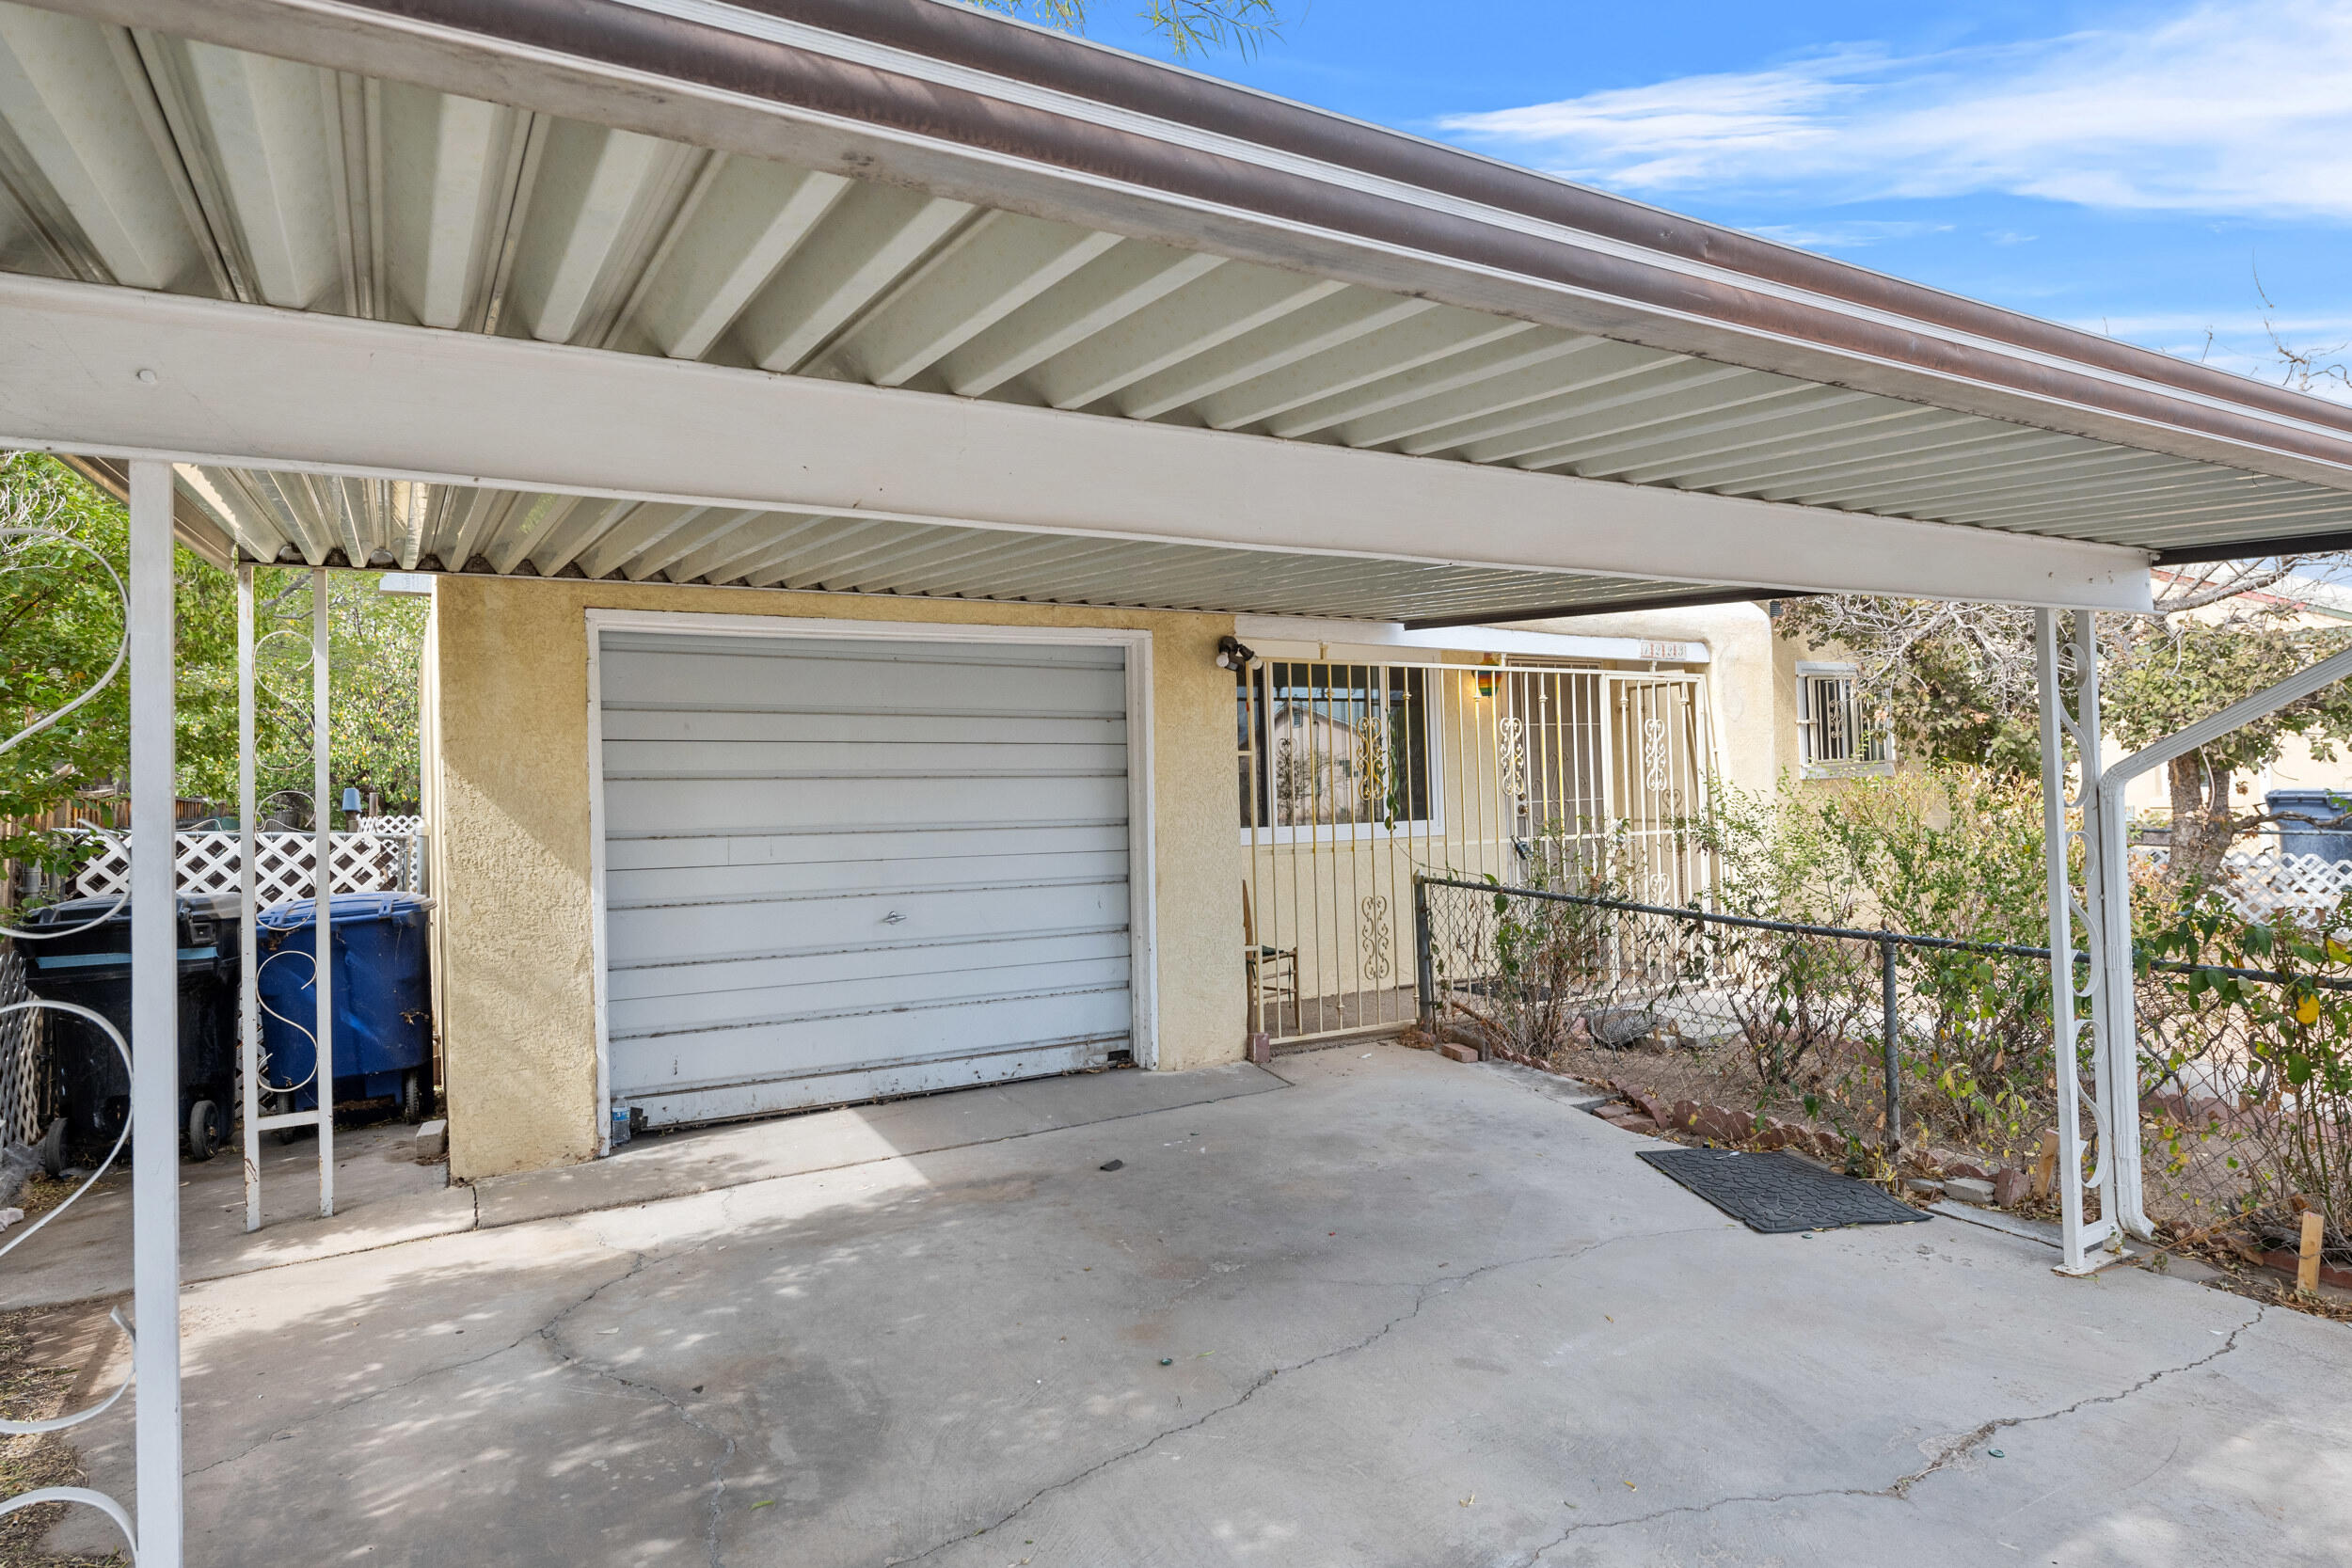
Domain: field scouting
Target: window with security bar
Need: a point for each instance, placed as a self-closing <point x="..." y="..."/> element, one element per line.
<point x="1332" y="745"/>
<point x="1837" y="734"/>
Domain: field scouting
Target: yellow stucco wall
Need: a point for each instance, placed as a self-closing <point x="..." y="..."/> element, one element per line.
<point x="508" y="759"/>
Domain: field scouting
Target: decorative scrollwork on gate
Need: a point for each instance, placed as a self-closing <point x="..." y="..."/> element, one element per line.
<point x="13" y="539"/>
<point x="1655" y="772"/>
<point x="1376" y="771"/>
<point x="1375" y="938"/>
<point x="1511" y="754"/>
<point x="84" y="1496"/>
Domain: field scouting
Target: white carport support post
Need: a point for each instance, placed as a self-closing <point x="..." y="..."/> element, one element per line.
<point x="155" y="1021"/>
<point x="2086" y="907"/>
<point x="322" y="828"/>
<point x="248" y="842"/>
<point x="322" y="887"/>
<point x="2120" y="1041"/>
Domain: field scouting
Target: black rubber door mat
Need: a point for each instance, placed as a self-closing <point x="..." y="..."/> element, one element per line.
<point x="1778" y="1192"/>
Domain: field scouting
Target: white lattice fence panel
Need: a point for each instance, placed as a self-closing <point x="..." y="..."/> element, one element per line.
<point x="2259" y="883"/>
<point x="2264" y="883"/>
<point x="21" y="1059"/>
<point x="409" y="828"/>
<point x="207" y="862"/>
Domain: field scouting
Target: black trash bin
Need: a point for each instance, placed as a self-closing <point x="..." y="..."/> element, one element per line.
<point x="2307" y="822"/>
<point x="93" y="967"/>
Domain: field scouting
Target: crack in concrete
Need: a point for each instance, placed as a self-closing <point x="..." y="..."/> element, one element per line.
<point x="551" y="1332"/>
<point x="548" y="1331"/>
<point x="718" y="1467"/>
<point x="1900" y="1488"/>
<point x="374" y="1394"/>
<point x="1423" y="1292"/>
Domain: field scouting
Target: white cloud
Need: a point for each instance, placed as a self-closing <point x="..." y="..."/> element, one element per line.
<point x="1845" y="234"/>
<point x="2234" y="106"/>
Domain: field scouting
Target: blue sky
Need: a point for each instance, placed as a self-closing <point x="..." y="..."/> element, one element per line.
<point x="2124" y="168"/>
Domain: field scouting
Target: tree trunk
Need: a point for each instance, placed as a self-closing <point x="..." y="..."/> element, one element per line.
<point x="2201" y="819"/>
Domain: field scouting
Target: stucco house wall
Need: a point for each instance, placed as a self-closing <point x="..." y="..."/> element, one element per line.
<point x="1752" y="696"/>
<point x="507" y="786"/>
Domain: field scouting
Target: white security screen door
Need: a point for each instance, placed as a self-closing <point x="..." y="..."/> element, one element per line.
<point x="837" y="868"/>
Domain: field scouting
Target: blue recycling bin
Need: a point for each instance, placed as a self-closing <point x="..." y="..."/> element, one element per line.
<point x="382" y="998"/>
<point x="2300" y="810"/>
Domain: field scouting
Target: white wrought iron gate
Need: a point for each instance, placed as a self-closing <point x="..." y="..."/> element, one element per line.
<point x="1660" y="759"/>
<point x="1354" y="776"/>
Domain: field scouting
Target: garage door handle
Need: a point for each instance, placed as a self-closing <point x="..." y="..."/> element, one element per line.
<point x="893" y="918"/>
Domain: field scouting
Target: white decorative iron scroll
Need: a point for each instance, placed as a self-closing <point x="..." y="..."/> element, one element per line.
<point x="83" y="1495"/>
<point x="1376" y="964"/>
<point x="1511" y="754"/>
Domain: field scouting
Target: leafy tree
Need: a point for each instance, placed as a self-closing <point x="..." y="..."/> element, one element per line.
<point x="60" y="630"/>
<point x="1189" y="27"/>
<point x="2188" y="670"/>
<point x="374" y="641"/>
<point x="60" y="627"/>
<point x="1958" y="684"/>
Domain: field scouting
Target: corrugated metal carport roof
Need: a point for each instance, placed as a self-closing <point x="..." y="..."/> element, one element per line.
<point x="908" y="196"/>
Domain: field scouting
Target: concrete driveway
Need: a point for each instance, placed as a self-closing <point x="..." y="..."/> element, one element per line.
<point x="1398" y="1311"/>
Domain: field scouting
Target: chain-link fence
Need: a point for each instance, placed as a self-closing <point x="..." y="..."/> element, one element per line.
<point x="2248" y="1106"/>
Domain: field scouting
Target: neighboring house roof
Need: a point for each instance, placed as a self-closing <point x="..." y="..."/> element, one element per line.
<point x="2315" y="595"/>
<point x="2310" y="595"/>
<point x="1022" y="302"/>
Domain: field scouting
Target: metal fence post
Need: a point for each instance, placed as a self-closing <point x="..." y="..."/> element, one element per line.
<point x="1424" y="970"/>
<point x="322" y="898"/>
<point x="1892" y="1030"/>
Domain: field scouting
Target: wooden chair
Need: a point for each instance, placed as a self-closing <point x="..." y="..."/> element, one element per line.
<point x="1273" y="971"/>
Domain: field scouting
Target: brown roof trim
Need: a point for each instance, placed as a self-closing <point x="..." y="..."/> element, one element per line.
<point x="969" y="38"/>
<point x="633" y="39"/>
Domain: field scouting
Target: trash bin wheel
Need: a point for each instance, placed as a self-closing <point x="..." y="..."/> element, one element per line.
<point x="416" y="1096"/>
<point x="278" y="1103"/>
<point x="203" y="1131"/>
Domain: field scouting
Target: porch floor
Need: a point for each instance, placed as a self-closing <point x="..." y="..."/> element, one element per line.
<point x="1410" y="1311"/>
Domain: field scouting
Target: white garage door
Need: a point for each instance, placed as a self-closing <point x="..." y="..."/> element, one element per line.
<point x="839" y="868"/>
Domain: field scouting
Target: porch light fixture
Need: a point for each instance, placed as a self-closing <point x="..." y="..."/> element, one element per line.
<point x="1230" y="654"/>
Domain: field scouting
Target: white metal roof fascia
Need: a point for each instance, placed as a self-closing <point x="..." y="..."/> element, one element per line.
<point x="1468" y="640"/>
<point x="123" y="372"/>
<point x="478" y="64"/>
